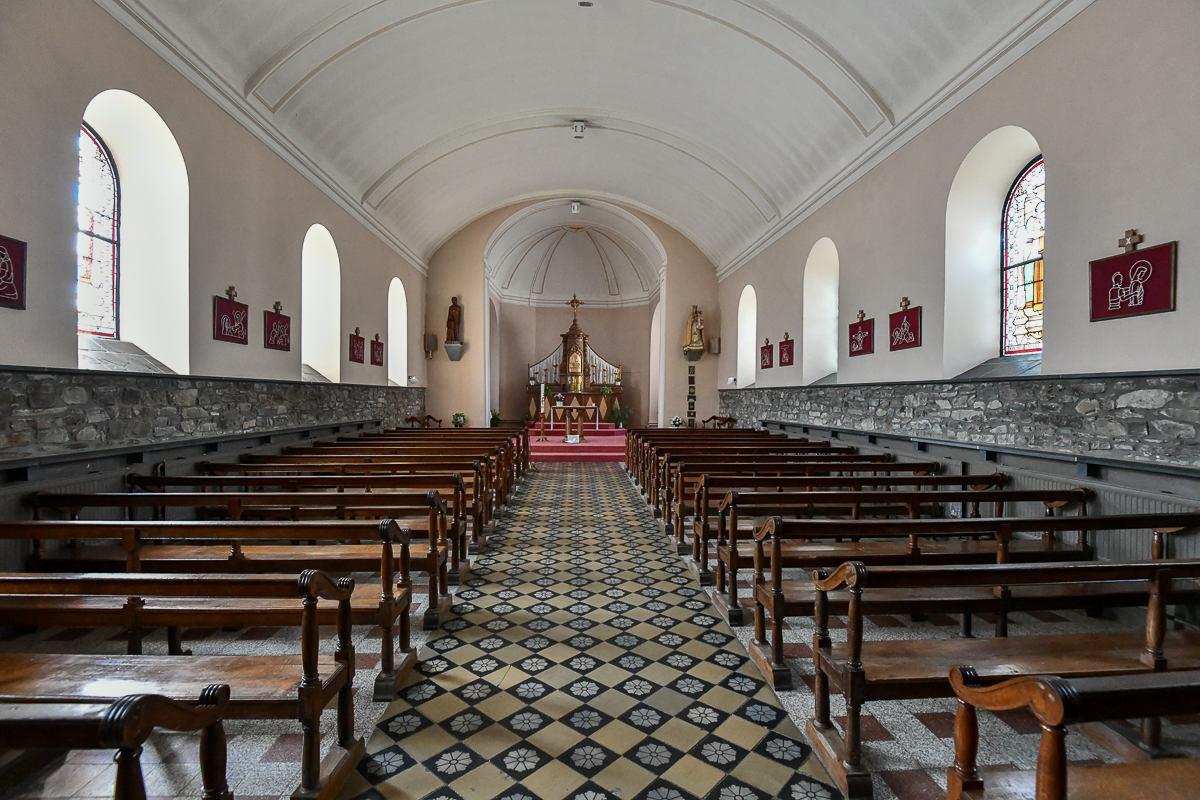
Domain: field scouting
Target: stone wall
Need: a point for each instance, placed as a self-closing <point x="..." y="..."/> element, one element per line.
<point x="1141" y="417"/>
<point x="70" y="411"/>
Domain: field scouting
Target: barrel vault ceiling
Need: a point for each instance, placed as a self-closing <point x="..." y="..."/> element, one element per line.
<point x="728" y="119"/>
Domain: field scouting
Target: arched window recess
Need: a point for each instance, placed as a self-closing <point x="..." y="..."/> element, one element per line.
<point x="1023" y="242"/>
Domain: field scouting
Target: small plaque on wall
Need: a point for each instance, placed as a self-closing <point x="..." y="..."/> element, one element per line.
<point x="12" y="272"/>
<point x="358" y="347"/>
<point x="862" y="336"/>
<point x="766" y="356"/>
<point x="904" y="327"/>
<point x="277" y="329"/>
<point x="1134" y="283"/>
<point x="376" y="352"/>
<point x="231" y="319"/>
<point x="786" y="352"/>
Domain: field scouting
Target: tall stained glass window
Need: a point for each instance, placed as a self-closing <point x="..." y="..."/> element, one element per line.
<point x="98" y="241"/>
<point x="1024" y="240"/>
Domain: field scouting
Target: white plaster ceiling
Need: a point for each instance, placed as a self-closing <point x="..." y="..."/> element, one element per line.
<point x="544" y="254"/>
<point x="728" y="119"/>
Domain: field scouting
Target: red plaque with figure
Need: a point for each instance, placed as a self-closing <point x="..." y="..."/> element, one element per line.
<point x="358" y="347"/>
<point x="377" y="352"/>
<point x="1134" y="283"/>
<point x="786" y="358"/>
<point x="862" y="336"/>
<point x="231" y="319"/>
<point x="12" y="273"/>
<point x="277" y="330"/>
<point x="766" y="356"/>
<point x="904" y="327"/>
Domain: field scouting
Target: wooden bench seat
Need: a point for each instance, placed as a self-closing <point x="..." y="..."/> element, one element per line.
<point x="865" y="671"/>
<point x="261" y="687"/>
<point x="868" y="504"/>
<point x="1057" y="702"/>
<point x="124" y="725"/>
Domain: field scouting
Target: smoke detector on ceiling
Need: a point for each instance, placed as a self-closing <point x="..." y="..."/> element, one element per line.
<point x="576" y="206"/>
<point x="578" y="127"/>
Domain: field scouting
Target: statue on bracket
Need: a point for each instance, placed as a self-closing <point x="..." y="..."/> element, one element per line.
<point x="693" y="344"/>
<point x="454" y="321"/>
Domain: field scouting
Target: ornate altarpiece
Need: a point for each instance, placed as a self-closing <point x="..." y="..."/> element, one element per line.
<point x="577" y="372"/>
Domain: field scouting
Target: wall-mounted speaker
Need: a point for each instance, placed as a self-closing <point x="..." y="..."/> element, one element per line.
<point x="430" y="345"/>
<point x="714" y="345"/>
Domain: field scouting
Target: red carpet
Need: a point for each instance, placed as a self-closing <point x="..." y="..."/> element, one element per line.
<point x="605" y="444"/>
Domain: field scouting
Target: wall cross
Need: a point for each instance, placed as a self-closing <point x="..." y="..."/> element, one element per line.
<point x="1130" y="241"/>
<point x="231" y="293"/>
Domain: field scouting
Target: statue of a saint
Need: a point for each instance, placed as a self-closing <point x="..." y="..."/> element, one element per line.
<point x="454" y="321"/>
<point x="694" y="341"/>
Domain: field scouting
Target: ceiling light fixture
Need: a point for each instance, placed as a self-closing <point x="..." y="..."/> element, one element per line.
<point x="585" y="3"/>
<point x="578" y="127"/>
<point x="575" y="206"/>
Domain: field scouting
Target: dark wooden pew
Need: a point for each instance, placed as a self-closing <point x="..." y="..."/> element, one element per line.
<point x="637" y="443"/>
<point x="503" y="457"/>
<point x="1057" y="702"/>
<point x="261" y="687"/>
<point x="867" y="671"/>
<point x="733" y="550"/>
<point x="711" y="488"/>
<point x="124" y="726"/>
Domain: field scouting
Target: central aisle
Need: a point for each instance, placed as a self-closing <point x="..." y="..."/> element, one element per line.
<point x="585" y="663"/>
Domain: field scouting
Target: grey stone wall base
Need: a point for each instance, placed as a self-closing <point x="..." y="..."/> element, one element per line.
<point x="1140" y="418"/>
<point x="49" y="413"/>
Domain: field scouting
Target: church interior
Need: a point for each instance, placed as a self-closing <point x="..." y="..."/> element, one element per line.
<point x="599" y="399"/>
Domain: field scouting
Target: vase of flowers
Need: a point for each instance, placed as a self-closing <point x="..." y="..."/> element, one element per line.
<point x="459" y="419"/>
<point x="558" y="398"/>
<point x="676" y="421"/>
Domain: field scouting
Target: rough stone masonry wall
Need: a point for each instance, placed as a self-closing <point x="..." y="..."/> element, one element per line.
<point x="47" y="413"/>
<point x="1147" y="418"/>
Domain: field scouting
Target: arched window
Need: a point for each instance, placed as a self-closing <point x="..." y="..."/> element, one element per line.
<point x="98" y="240"/>
<point x="320" y="307"/>
<point x="1024" y="240"/>
<point x="397" y="341"/>
<point x="820" y="312"/>
<point x="747" y="342"/>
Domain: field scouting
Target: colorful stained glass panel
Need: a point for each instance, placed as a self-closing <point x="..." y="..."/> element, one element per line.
<point x="1024" y="243"/>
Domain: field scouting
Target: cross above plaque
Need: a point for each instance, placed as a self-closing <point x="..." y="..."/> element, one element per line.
<point x="1130" y="240"/>
<point x="231" y="293"/>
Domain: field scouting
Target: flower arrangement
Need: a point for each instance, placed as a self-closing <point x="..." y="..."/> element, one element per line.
<point x="495" y="418"/>
<point x="459" y="419"/>
<point x="559" y="397"/>
<point x="676" y="421"/>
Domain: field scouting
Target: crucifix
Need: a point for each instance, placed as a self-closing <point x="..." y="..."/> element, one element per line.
<point x="231" y="293"/>
<point x="278" y="307"/>
<point x="575" y="303"/>
<point x="861" y="315"/>
<point x="903" y="305"/>
<point x="1130" y="241"/>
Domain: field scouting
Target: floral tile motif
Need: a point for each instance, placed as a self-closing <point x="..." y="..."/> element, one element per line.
<point x="584" y="663"/>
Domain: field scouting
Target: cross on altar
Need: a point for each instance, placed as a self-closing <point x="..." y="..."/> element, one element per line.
<point x="575" y="303"/>
<point x="1130" y="241"/>
<point x="231" y="293"/>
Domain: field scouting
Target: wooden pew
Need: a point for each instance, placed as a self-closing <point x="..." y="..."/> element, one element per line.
<point x="717" y="421"/>
<point x="865" y="671"/>
<point x="424" y="421"/>
<point x="124" y="726"/>
<point x="502" y="452"/>
<point x="711" y="488"/>
<point x="519" y="435"/>
<point x="251" y="548"/>
<point x="732" y="549"/>
<point x="424" y="512"/>
<point x="1057" y="702"/>
<point x="656" y="452"/>
<point x="637" y="443"/>
<point x="261" y="687"/>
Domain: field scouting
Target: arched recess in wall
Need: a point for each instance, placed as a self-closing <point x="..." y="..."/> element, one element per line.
<point x="153" y="280"/>
<point x="972" y="273"/>
<point x="654" y="409"/>
<point x="747" y="342"/>
<point x="397" y="336"/>
<point x="320" y="307"/>
<point x="820" y="313"/>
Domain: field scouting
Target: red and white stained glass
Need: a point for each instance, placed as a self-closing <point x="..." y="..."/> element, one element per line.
<point x="97" y="242"/>
<point x="1024" y="233"/>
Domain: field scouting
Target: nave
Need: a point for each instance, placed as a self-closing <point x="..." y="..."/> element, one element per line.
<point x="584" y="662"/>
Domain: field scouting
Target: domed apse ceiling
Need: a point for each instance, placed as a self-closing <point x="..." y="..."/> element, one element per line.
<point x="544" y="254"/>
<point x="728" y="119"/>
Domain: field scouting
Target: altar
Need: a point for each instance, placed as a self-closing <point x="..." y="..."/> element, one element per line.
<point x="590" y="385"/>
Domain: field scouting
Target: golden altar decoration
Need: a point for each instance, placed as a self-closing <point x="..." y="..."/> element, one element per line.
<point x="576" y="371"/>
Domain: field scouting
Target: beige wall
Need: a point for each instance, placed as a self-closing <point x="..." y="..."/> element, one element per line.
<point x="1114" y="101"/>
<point x="249" y="209"/>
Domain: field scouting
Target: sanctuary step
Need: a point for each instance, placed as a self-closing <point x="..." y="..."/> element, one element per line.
<point x="589" y="429"/>
<point x="610" y="447"/>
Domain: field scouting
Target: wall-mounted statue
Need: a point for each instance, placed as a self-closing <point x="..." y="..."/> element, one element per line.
<point x="454" y="321"/>
<point x="693" y="342"/>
